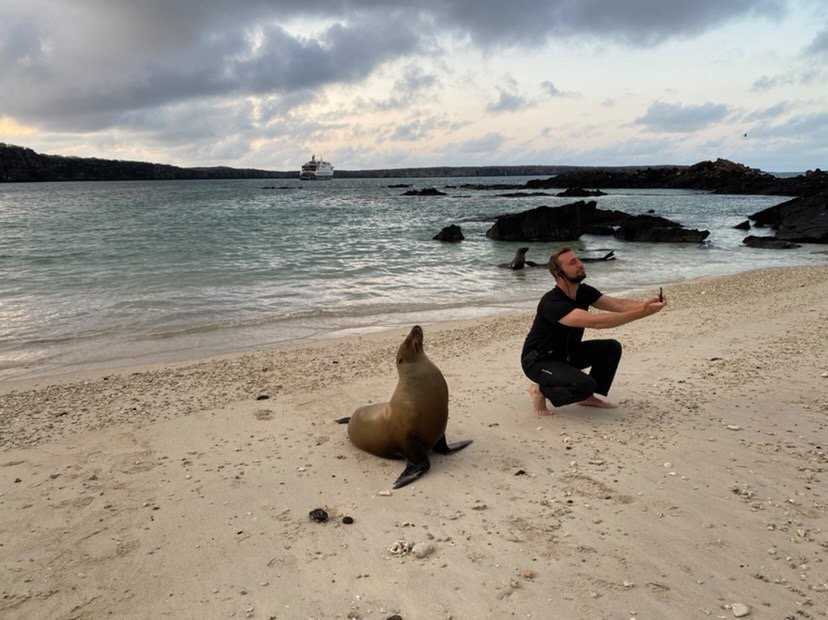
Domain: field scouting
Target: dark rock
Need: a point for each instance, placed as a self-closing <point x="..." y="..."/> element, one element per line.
<point x="651" y="211"/>
<point x="450" y="233"/>
<point x="579" y="192"/>
<point x="263" y="397"/>
<point x="599" y="230"/>
<point x="395" y="617"/>
<point x="318" y="515"/>
<point x="562" y="223"/>
<point x="400" y="185"/>
<point x="522" y="195"/>
<point x="520" y="472"/>
<point x="743" y="226"/>
<point x="769" y="243"/>
<point x="347" y="520"/>
<point x="656" y="229"/>
<point x="428" y="191"/>
<point x="801" y="219"/>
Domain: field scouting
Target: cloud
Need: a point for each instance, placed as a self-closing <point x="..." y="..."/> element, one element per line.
<point x="147" y="54"/>
<point x="680" y="118"/>
<point x="508" y="102"/>
<point x="407" y="89"/>
<point x="819" y="46"/>
<point x="52" y="84"/>
<point x="553" y="91"/>
<point x="421" y="127"/>
<point x="488" y="143"/>
<point x="768" y="113"/>
<point x="804" y="126"/>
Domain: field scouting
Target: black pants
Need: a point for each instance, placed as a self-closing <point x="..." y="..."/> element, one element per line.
<point x="563" y="383"/>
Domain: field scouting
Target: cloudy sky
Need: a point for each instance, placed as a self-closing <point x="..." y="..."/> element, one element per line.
<point x="378" y="83"/>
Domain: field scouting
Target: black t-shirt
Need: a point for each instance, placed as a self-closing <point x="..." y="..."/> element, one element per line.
<point x="551" y="338"/>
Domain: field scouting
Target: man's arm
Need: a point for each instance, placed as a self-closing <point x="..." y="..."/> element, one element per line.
<point x="617" y="304"/>
<point x="601" y="320"/>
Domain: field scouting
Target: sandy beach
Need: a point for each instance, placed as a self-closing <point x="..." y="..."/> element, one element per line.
<point x="181" y="492"/>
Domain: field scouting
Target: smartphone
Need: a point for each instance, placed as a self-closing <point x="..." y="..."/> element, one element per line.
<point x="660" y="294"/>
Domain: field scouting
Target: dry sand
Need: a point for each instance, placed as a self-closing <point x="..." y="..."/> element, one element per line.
<point x="173" y="492"/>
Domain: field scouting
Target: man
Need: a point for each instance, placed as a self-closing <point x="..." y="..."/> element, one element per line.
<point x="553" y="353"/>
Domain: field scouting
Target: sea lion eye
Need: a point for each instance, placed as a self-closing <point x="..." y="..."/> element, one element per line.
<point x="399" y="360"/>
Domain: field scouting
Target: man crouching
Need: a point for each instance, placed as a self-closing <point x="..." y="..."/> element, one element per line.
<point x="554" y="355"/>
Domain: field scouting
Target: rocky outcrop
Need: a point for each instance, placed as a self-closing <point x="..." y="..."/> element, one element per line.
<point x="721" y="176"/>
<point x="801" y="219"/>
<point x="656" y="229"/>
<point x="578" y="192"/>
<point x="428" y="191"/>
<point x="562" y="223"/>
<point x="743" y="225"/>
<point x="452" y="233"/>
<point x="769" y="243"/>
<point x="570" y="221"/>
<point x="400" y="185"/>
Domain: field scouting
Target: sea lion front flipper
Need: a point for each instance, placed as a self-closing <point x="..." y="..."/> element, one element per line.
<point x="441" y="447"/>
<point x="411" y="472"/>
<point x="344" y="420"/>
<point x="417" y="463"/>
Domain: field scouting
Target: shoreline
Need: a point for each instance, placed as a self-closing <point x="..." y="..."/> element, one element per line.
<point x="174" y="491"/>
<point x="157" y="359"/>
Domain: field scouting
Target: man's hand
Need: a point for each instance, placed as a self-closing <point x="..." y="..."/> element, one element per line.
<point x="651" y="306"/>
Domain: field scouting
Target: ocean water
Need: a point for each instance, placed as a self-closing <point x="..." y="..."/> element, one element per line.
<point x="117" y="273"/>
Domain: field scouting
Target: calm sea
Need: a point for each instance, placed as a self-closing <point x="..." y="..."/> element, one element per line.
<point x="116" y="273"/>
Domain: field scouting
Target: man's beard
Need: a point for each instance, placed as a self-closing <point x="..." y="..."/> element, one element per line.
<point x="576" y="279"/>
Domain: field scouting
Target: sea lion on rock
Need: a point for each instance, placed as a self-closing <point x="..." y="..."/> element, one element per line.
<point x="414" y="420"/>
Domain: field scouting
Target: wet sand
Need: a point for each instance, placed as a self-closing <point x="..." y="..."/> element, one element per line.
<point x="172" y="491"/>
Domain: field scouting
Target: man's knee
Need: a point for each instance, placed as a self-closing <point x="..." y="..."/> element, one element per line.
<point x="614" y="348"/>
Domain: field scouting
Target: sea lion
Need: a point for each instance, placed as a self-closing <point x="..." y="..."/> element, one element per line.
<point x="414" y="420"/>
<point x="519" y="261"/>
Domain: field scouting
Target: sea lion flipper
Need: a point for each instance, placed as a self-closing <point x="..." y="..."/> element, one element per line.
<point x="441" y="447"/>
<point x="411" y="472"/>
<point x="416" y="455"/>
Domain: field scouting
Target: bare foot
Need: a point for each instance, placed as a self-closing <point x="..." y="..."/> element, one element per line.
<point x="539" y="401"/>
<point x="594" y="401"/>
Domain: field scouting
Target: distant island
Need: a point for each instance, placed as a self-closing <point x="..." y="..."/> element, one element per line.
<point x="19" y="164"/>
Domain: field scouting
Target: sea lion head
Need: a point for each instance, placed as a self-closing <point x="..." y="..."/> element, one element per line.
<point x="411" y="349"/>
<point x="522" y="251"/>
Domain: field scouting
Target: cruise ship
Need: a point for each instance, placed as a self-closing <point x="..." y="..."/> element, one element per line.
<point x="316" y="169"/>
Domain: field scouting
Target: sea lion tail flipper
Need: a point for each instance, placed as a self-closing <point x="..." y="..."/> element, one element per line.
<point x="417" y="463"/>
<point x="610" y="255"/>
<point x="441" y="447"/>
<point x="344" y="420"/>
<point x="532" y="263"/>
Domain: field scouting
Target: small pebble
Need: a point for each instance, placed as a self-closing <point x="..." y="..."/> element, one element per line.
<point x="740" y="610"/>
<point x="384" y="493"/>
<point x="347" y="520"/>
<point x="422" y="550"/>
